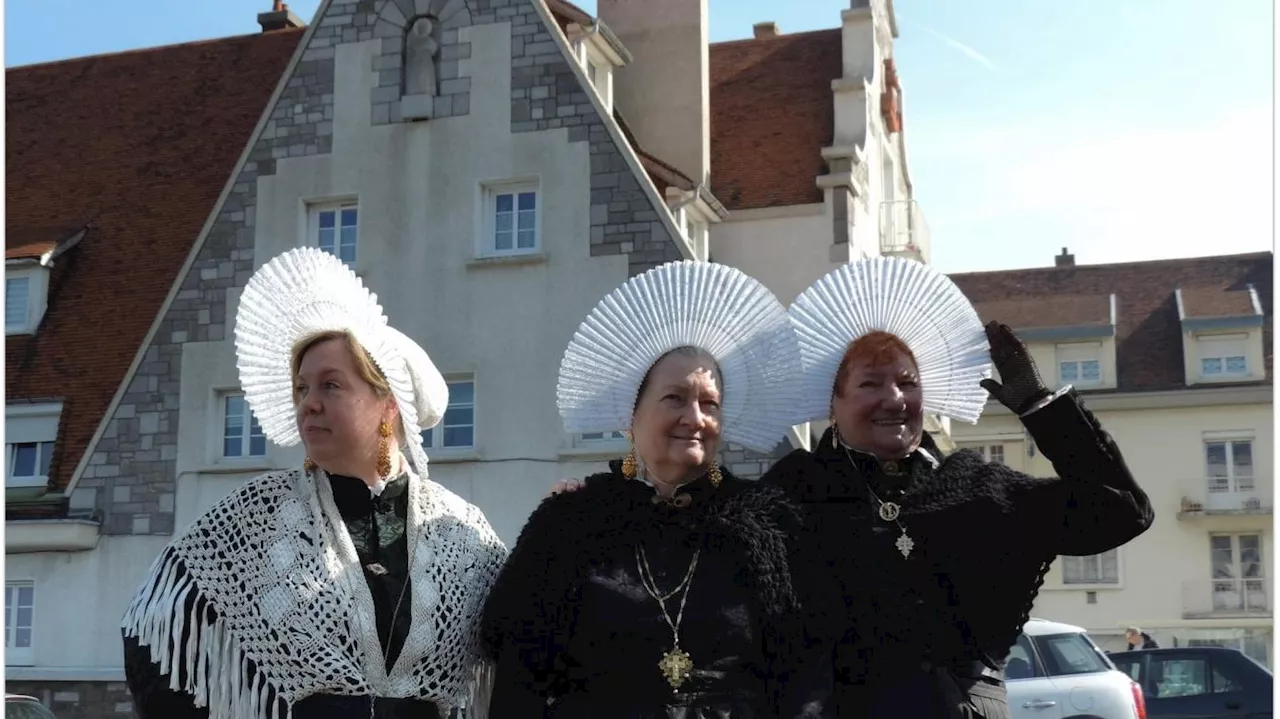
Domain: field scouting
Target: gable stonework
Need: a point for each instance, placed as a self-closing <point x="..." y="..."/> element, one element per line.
<point x="130" y="479"/>
<point x="748" y="464"/>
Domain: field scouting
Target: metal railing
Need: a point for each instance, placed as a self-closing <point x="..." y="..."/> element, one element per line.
<point x="1223" y="495"/>
<point x="1206" y="598"/>
<point x="903" y="230"/>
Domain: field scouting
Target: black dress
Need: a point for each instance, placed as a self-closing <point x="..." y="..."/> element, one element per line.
<point x="575" y="634"/>
<point x="377" y="528"/>
<point x="925" y="635"/>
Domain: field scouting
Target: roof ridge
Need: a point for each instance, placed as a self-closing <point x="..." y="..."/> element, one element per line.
<point x="154" y="48"/>
<point x="1133" y="263"/>
<point x="771" y="38"/>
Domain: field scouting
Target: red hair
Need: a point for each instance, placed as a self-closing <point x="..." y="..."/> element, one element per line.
<point x="878" y="348"/>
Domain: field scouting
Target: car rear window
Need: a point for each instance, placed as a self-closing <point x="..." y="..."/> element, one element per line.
<point x="1070" y="654"/>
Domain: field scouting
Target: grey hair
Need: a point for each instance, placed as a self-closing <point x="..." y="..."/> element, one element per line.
<point x="1133" y="630"/>
<point x="683" y="351"/>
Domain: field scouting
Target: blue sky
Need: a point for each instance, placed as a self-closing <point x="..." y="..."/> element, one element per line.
<point x="1122" y="129"/>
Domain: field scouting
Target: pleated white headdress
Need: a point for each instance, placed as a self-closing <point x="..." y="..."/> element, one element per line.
<point x="910" y="300"/>
<point x="306" y="291"/>
<point x="712" y="307"/>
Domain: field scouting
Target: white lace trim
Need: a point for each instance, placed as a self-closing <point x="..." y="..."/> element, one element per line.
<point x="275" y="563"/>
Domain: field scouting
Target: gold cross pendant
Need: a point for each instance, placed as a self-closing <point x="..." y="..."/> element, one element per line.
<point x="675" y="667"/>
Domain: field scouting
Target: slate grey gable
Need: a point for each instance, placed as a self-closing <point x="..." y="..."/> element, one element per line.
<point x="130" y="479"/>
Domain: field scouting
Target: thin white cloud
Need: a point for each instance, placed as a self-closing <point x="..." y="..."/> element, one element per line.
<point x="960" y="47"/>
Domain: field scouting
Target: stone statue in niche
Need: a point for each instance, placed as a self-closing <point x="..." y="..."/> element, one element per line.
<point x="420" y="49"/>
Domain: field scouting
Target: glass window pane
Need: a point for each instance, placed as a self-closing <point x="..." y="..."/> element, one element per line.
<point x="231" y="447"/>
<point x="1215" y="454"/>
<point x="1212" y="365"/>
<point x="46" y="457"/>
<point x="1067" y="372"/>
<point x="527" y="220"/>
<point x="1235" y="365"/>
<point x="349" y="217"/>
<point x="459" y="416"/>
<point x="26" y="596"/>
<point x="347" y="254"/>
<point x="1242" y="458"/>
<point x="502" y="241"/>
<point x="22" y="637"/>
<point x="457" y="436"/>
<point x="528" y="200"/>
<point x="16" y="295"/>
<point x="462" y="393"/>
<point x="23" y="617"/>
<point x="526" y="240"/>
<point x="426" y="438"/>
<point x="502" y="223"/>
<point x="349" y="236"/>
<point x="24" y="460"/>
<point x="1090" y="371"/>
<point x="504" y="203"/>
<point x="326" y="240"/>
<point x="327" y="220"/>
<point x="257" y="446"/>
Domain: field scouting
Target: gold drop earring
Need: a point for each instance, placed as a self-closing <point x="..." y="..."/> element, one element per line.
<point x="629" y="462"/>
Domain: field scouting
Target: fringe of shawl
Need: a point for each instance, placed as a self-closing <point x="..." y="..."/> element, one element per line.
<point x="480" y="690"/>
<point x="209" y="664"/>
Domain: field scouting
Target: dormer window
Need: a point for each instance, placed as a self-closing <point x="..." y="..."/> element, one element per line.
<point x="1223" y="356"/>
<point x="598" y="51"/>
<point x="1221" y="334"/>
<point x="25" y="292"/>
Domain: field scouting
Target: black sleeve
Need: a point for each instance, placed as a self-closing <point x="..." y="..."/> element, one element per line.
<point x="152" y="697"/>
<point x="1100" y="503"/>
<point x="526" y="615"/>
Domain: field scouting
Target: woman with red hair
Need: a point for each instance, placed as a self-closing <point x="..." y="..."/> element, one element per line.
<point x="938" y="559"/>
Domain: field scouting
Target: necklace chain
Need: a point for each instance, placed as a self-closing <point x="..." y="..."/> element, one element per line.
<point x="676" y="663"/>
<point x="889" y="512"/>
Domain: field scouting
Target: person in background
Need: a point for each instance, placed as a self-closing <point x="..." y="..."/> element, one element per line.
<point x="1139" y="639"/>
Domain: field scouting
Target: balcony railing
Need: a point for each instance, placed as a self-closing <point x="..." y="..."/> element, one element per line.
<point x="904" y="231"/>
<point x="1222" y="495"/>
<point x="1232" y="598"/>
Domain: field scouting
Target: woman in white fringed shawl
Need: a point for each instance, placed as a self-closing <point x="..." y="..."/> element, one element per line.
<point x="349" y="587"/>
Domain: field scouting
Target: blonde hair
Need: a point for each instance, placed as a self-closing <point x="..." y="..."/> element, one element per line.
<point x="366" y="368"/>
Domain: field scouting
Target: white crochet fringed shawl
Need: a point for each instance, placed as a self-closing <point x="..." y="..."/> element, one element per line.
<point x="277" y="567"/>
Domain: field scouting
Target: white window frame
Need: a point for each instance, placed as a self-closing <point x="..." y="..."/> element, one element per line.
<point x="433" y="439"/>
<point x="1222" y="348"/>
<point x="15" y="656"/>
<point x="37" y="279"/>
<point x="695" y="230"/>
<point x="1075" y="355"/>
<point x="1233" y="481"/>
<point x="599" y="71"/>
<point x="315" y="209"/>
<point x="1074" y="570"/>
<point x="30" y="424"/>
<point x="246" y="435"/>
<point x="488" y="242"/>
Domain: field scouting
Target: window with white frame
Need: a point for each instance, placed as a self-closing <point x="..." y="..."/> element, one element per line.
<point x="31" y="432"/>
<point x="17" y="303"/>
<point x="511" y="224"/>
<point x="1223" y="356"/>
<point x="242" y="436"/>
<point x="19" y="608"/>
<point x="1094" y="569"/>
<point x="601" y="437"/>
<point x="1079" y="364"/>
<point x="1229" y="465"/>
<point x="990" y="452"/>
<point x="458" y="428"/>
<point x="335" y="228"/>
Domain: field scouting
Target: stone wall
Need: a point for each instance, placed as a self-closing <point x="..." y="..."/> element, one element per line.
<point x="747" y="464"/>
<point x="78" y="700"/>
<point x="130" y="478"/>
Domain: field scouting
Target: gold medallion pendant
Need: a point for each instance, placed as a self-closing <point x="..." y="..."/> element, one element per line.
<point x="676" y="665"/>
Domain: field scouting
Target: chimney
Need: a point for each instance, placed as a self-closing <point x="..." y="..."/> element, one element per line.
<point x="1064" y="259"/>
<point x="765" y="29"/>
<point x="665" y="92"/>
<point x="280" y="18"/>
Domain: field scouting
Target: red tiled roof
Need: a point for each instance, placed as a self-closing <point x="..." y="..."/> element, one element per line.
<point x="143" y="142"/>
<point x="1202" y="302"/>
<point x="1148" y="329"/>
<point x="1048" y="311"/>
<point x="772" y="112"/>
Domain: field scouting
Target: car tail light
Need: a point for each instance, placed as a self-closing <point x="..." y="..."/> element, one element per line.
<point x="1139" y="701"/>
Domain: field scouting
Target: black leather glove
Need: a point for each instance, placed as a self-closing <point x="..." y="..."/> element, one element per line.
<point x="1022" y="386"/>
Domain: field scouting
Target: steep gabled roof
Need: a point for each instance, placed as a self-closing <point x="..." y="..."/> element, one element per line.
<point x="137" y="146"/>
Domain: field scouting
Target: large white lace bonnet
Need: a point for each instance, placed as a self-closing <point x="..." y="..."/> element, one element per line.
<point x="712" y="307"/>
<point x="304" y="292"/>
<point x="910" y="300"/>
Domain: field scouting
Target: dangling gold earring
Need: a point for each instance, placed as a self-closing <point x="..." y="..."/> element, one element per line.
<point x="714" y="474"/>
<point x="835" y="432"/>
<point x="629" y="462"/>
<point x="384" y="450"/>
<point x="309" y="465"/>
